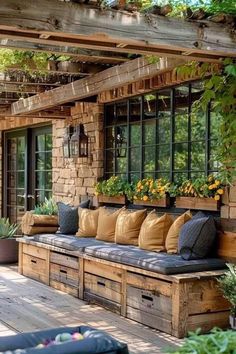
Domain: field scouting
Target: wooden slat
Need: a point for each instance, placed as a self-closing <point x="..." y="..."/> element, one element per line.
<point x="207" y="321"/>
<point x="180" y="302"/>
<point x="64" y="287"/>
<point x="227" y="246"/>
<point x="108" y="29"/>
<point x="103" y="270"/>
<point x="144" y="282"/>
<point x="35" y="268"/>
<point x="103" y="287"/>
<point x="94" y="299"/>
<point x="35" y="251"/>
<point x="65" y="260"/>
<point x="113" y="77"/>
<point x="64" y="274"/>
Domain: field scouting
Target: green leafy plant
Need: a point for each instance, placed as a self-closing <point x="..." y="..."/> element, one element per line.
<point x="112" y="187"/>
<point x="149" y="189"/>
<point x="217" y="341"/>
<point x="7" y="229"/>
<point x="227" y="283"/>
<point x="48" y="207"/>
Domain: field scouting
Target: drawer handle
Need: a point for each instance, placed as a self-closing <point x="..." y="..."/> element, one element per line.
<point x="63" y="271"/>
<point x="146" y="297"/>
<point x="33" y="261"/>
<point x="101" y="283"/>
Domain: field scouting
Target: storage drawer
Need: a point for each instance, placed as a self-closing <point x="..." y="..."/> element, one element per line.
<point x="35" y="251"/>
<point x="149" y="308"/>
<point x="102" y="291"/>
<point x="63" y="274"/>
<point x="34" y="268"/>
<point x="107" y="271"/>
<point x="64" y="260"/>
<point x="64" y="287"/>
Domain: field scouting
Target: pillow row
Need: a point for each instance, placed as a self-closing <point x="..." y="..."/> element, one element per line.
<point x="122" y="226"/>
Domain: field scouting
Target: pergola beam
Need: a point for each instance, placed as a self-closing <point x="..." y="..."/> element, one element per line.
<point x="116" y="76"/>
<point x="70" y="24"/>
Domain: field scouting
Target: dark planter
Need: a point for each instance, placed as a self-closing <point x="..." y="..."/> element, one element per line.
<point x="8" y="250"/>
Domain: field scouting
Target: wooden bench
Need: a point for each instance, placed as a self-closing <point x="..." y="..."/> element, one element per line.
<point x="174" y="304"/>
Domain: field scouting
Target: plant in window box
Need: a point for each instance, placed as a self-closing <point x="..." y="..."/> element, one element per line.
<point x="8" y="244"/>
<point x="227" y="284"/>
<point x="112" y="190"/>
<point x="202" y="193"/>
<point x="42" y="219"/>
<point x="150" y="192"/>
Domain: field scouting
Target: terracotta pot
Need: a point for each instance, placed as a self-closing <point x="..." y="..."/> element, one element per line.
<point x="232" y="321"/>
<point x="8" y="250"/>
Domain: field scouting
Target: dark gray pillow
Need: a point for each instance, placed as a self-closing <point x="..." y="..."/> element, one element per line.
<point x="197" y="237"/>
<point x="68" y="217"/>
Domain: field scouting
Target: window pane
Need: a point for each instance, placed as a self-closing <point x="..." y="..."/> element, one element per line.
<point x="110" y="161"/>
<point x="135" y="109"/>
<point x="21" y="161"/>
<point x="48" y="162"/>
<point x="48" y="142"/>
<point x="40" y="142"/>
<point x="180" y="177"/>
<point x="135" y="161"/>
<point x="135" y="134"/>
<point x="149" y="158"/>
<point x="20" y="179"/>
<point x="121" y="112"/>
<point x="149" y="106"/>
<point x="110" y="137"/>
<point x="48" y="180"/>
<point x="198" y="126"/>
<point x="121" y="164"/>
<point x="215" y="122"/>
<point x="40" y="178"/>
<point x="40" y="196"/>
<point x="165" y="175"/>
<point x="149" y="175"/>
<point x="180" y="156"/>
<point x="182" y="99"/>
<point x="181" y="128"/>
<point x="149" y="132"/>
<point x="164" y="130"/>
<point x="195" y="175"/>
<point x="213" y="164"/>
<point x="110" y="114"/>
<point x="40" y="160"/>
<point x="134" y="176"/>
<point x="21" y="145"/>
<point x="198" y="150"/>
<point x="163" y="157"/>
<point x="164" y="103"/>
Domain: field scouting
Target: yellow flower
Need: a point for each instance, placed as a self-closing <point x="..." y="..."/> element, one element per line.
<point x="210" y="178"/>
<point x="145" y="198"/>
<point x="141" y="187"/>
<point x="135" y="198"/>
<point x="154" y="191"/>
<point x="217" y="183"/>
<point x="211" y="186"/>
<point x="217" y="197"/>
<point x="220" y="191"/>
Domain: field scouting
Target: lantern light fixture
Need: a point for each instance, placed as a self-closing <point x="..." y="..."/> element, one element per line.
<point x="66" y="142"/>
<point x="79" y="142"/>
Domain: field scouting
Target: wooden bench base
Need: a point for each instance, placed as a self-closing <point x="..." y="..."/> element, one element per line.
<point x="174" y="304"/>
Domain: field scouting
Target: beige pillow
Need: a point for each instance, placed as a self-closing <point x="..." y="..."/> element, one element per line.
<point x="153" y="232"/>
<point x="172" y="237"/>
<point x="88" y="222"/>
<point x="107" y="224"/>
<point x="128" y="225"/>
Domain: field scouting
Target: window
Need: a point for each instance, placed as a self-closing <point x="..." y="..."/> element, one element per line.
<point x="159" y="135"/>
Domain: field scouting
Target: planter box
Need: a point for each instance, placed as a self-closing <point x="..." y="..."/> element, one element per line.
<point x="197" y="203"/>
<point x="8" y="250"/>
<point x="164" y="202"/>
<point x="119" y="199"/>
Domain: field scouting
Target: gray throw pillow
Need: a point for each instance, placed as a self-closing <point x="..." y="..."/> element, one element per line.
<point x="68" y="217"/>
<point x="197" y="237"/>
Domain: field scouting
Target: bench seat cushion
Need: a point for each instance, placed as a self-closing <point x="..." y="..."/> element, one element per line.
<point x="157" y="262"/>
<point x="68" y="242"/>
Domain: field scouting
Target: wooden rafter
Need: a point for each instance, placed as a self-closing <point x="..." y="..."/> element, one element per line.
<point x="69" y="24"/>
<point x="53" y="113"/>
<point x="116" y="76"/>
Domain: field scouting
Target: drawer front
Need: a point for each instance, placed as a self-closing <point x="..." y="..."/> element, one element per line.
<point x="64" y="275"/>
<point x="64" y="260"/>
<point x="64" y="287"/>
<point x="34" y="268"/>
<point x="103" y="270"/>
<point x="35" y="251"/>
<point x="103" y="287"/>
<point x="149" y="308"/>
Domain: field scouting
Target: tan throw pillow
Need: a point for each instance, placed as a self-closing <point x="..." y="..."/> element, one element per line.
<point x="172" y="237"/>
<point x="128" y="225"/>
<point x="107" y="224"/>
<point x="88" y="222"/>
<point x="153" y="232"/>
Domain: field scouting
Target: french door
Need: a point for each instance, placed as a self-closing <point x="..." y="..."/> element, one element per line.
<point x="27" y="170"/>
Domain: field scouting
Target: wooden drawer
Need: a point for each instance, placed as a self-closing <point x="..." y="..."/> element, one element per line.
<point x="149" y="308"/>
<point x="64" y="287"/>
<point x="100" y="269"/>
<point x="102" y="291"/>
<point x="64" y="260"/>
<point x="63" y="274"/>
<point x="35" y="268"/>
<point x="35" y="251"/>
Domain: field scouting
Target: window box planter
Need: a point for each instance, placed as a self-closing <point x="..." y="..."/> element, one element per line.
<point x="8" y="251"/>
<point x="161" y="203"/>
<point x="197" y="203"/>
<point x="118" y="199"/>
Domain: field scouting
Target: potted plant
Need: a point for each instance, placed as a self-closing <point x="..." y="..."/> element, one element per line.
<point x="42" y="219"/>
<point x="150" y="192"/>
<point x="8" y="244"/>
<point x="202" y="193"/>
<point x="112" y="190"/>
<point x="228" y="286"/>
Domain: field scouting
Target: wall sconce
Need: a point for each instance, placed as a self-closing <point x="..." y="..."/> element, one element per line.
<point x="79" y="142"/>
<point x="66" y="142"/>
<point x="121" y="143"/>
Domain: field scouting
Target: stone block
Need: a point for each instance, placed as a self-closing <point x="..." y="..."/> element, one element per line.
<point x="232" y="194"/>
<point x="224" y="212"/>
<point x="89" y="182"/>
<point x="232" y="212"/>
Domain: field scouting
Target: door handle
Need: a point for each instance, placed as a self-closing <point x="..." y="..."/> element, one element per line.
<point x="30" y="196"/>
<point x="21" y="195"/>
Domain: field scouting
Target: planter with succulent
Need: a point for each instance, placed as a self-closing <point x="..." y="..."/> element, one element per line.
<point x="41" y="220"/>
<point x="8" y="244"/>
<point x="150" y="192"/>
<point x="227" y="283"/>
<point x="112" y="191"/>
<point x="202" y="193"/>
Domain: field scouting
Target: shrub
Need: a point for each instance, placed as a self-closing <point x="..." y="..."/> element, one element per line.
<point x="228" y="286"/>
<point x="7" y="230"/>
<point x="48" y="207"/>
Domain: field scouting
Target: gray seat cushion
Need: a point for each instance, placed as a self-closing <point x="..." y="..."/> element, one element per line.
<point x="68" y="242"/>
<point x="157" y="262"/>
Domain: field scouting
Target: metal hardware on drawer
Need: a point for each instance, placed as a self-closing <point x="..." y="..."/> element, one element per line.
<point x="33" y="261"/>
<point x="100" y="283"/>
<point x="146" y="297"/>
<point x="63" y="271"/>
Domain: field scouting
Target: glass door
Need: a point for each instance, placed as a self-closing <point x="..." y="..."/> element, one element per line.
<point x="27" y="170"/>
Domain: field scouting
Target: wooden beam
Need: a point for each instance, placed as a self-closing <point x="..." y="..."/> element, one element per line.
<point x="80" y="25"/>
<point x="116" y="76"/>
<point x="83" y="55"/>
<point x="21" y="88"/>
<point x="53" y="113"/>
